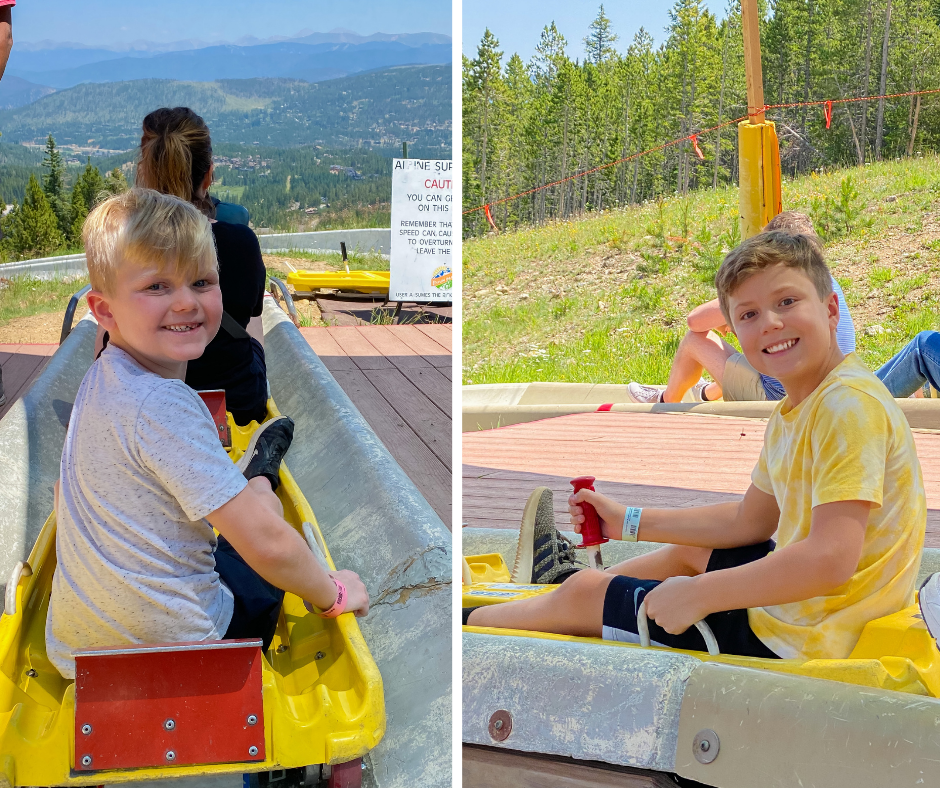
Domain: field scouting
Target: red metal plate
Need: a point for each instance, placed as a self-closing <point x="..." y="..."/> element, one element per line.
<point x="168" y="704"/>
<point x="215" y="402"/>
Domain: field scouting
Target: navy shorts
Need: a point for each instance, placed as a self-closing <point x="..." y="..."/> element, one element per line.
<point x="731" y="627"/>
<point x="257" y="602"/>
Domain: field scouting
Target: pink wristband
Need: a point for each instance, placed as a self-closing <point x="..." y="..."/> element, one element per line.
<point x="339" y="606"/>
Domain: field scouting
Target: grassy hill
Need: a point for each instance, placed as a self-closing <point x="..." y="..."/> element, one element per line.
<point x="604" y="298"/>
<point x="376" y="109"/>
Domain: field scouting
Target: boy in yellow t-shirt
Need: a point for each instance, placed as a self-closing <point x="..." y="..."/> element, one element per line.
<point x="838" y="481"/>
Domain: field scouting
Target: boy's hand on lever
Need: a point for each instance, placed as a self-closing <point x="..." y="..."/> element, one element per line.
<point x="609" y="512"/>
<point x="358" y="600"/>
<point x="674" y="605"/>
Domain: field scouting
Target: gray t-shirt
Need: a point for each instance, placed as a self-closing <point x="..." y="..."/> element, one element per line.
<point x="142" y="466"/>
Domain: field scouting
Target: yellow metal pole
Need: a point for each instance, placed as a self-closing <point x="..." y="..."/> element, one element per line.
<point x="758" y="149"/>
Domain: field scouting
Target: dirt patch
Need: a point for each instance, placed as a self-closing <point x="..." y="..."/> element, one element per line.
<point x="287" y="265"/>
<point x="36" y="329"/>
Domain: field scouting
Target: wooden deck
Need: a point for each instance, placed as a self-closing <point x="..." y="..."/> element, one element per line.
<point x="399" y="377"/>
<point x="339" y="312"/>
<point x="645" y="459"/>
<point x="21" y="365"/>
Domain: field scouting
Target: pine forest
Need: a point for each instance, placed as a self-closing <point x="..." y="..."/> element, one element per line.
<point x="526" y="125"/>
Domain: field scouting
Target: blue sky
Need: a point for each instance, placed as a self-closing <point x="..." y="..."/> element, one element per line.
<point x="112" y="21"/>
<point x="518" y="23"/>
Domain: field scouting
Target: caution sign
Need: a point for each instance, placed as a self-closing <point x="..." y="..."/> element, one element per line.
<point x="422" y="231"/>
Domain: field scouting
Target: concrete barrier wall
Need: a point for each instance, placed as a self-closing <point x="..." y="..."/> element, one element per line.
<point x="377" y="524"/>
<point x="32" y="434"/>
<point x="377" y="240"/>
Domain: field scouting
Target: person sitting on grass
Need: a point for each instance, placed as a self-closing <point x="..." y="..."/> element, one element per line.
<point x="914" y="371"/>
<point x="144" y="477"/>
<point x="703" y="348"/>
<point x="838" y="481"/>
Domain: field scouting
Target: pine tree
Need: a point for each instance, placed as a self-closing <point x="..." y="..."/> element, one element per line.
<point x="34" y="228"/>
<point x="598" y="43"/>
<point x="91" y="184"/>
<point x="53" y="185"/>
<point x="115" y="182"/>
<point x="79" y="212"/>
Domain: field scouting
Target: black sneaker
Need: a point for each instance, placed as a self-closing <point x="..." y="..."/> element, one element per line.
<point x="266" y="449"/>
<point x="543" y="554"/>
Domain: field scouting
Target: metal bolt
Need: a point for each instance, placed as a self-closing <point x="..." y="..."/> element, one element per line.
<point x="498" y="724"/>
<point x="319" y="655"/>
<point x="252" y="750"/>
<point x="31" y="673"/>
<point x="86" y="728"/>
<point x="705" y="746"/>
<point x="169" y="724"/>
<point x="252" y="719"/>
<point x="170" y="755"/>
<point x="86" y="761"/>
<point x="282" y="648"/>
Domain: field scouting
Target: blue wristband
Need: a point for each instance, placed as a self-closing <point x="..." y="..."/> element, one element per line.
<point x="631" y="523"/>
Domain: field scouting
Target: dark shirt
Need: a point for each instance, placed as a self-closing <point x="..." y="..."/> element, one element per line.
<point x="236" y="365"/>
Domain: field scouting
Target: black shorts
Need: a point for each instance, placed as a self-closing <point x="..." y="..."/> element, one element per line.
<point x="731" y="627"/>
<point x="257" y="602"/>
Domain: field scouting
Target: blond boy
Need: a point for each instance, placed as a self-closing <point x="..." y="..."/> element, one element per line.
<point x="838" y="482"/>
<point x="144" y="477"/>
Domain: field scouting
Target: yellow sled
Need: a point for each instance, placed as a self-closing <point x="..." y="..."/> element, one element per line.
<point x="894" y="653"/>
<point x="320" y="690"/>
<point x="355" y="281"/>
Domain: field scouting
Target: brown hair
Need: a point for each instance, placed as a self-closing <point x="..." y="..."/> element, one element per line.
<point x="176" y="155"/>
<point x="792" y="222"/>
<point x="143" y="227"/>
<point x="769" y="248"/>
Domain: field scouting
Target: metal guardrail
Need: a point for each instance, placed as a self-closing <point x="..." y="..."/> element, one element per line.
<point x="291" y="309"/>
<point x="70" y="313"/>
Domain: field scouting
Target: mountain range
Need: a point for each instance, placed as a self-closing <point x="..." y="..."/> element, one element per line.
<point x="375" y="109"/>
<point x="311" y="57"/>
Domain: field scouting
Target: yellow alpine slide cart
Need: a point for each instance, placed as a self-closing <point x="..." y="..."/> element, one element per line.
<point x="156" y="711"/>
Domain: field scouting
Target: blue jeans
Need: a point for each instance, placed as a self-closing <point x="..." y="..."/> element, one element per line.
<point x="918" y="362"/>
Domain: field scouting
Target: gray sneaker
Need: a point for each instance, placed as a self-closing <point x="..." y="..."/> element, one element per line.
<point x="543" y="553"/>
<point x="645" y="394"/>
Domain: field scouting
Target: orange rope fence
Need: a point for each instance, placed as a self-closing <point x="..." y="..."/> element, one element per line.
<point x="693" y="138"/>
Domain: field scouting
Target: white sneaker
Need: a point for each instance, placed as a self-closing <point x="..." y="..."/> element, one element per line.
<point x="697" y="390"/>
<point x="929" y="601"/>
<point x="644" y="394"/>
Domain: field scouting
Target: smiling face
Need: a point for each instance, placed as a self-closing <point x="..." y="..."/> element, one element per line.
<point x="161" y="318"/>
<point x="785" y="329"/>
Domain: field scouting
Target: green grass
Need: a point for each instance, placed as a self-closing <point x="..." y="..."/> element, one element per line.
<point x="22" y="296"/>
<point x="604" y="298"/>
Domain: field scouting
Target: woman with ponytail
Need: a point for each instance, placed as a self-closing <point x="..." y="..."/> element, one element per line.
<point x="176" y="158"/>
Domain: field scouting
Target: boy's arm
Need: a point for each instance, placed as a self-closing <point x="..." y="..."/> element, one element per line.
<point x="280" y="555"/>
<point x="707" y="317"/>
<point x="814" y="566"/>
<point x="749" y="521"/>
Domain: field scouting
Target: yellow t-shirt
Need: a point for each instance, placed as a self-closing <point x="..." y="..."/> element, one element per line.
<point x="847" y="441"/>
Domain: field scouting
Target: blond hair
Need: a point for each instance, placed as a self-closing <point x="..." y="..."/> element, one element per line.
<point x="176" y="155"/>
<point x="142" y="227"/>
<point x="776" y="247"/>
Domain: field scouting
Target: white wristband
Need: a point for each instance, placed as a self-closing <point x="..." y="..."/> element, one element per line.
<point x="631" y="523"/>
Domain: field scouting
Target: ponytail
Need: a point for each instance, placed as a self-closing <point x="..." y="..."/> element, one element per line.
<point x="176" y="155"/>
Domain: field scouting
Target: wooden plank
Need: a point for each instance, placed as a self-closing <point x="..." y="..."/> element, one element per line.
<point x="421" y="415"/>
<point x="447" y="371"/>
<point x="387" y="342"/>
<point x="490" y="767"/>
<point x="439" y="332"/>
<point x="355" y="344"/>
<point x="423" y="344"/>
<point x="753" y="73"/>
<point x="434" y="385"/>
<point x="327" y="349"/>
<point x="19" y="371"/>
<point x="420" y="464"/>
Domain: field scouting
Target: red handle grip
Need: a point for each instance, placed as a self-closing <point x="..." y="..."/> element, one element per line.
<point x="591" y="527"/>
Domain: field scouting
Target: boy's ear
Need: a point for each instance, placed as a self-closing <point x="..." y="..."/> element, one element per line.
<point x="832" y="307"/>
<point x="100" y="307"/>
